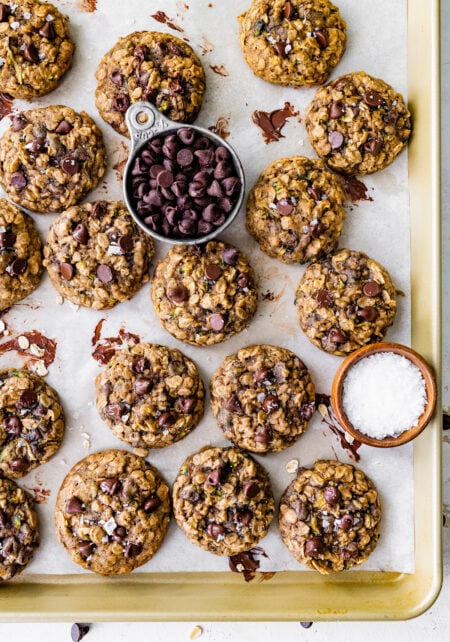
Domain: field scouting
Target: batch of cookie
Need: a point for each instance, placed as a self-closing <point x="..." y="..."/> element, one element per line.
<point x="113" y="508"/>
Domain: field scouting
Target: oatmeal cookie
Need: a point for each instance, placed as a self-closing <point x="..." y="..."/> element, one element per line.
<point x="96" y="255"/>
<point x="152" y="66"/>
<point x="292" y="42"/>
<point x="345" y="301"/>
<point x="20" y="255"/>
<point x="50" y="158"/>
<point x="329" y="516"/>
<point x="358" y="124"/>
<point x="262" y="398"/>
<point x="295" y="210"/>
<point x="203" y="294"/>
<point x="112" y="512"/>
<point x="31" y="422"/>
<point x="223" y="501"/>
<point x="150" y="396"/>
<point x="35" y="48"/>
<point x="19" y="530"/>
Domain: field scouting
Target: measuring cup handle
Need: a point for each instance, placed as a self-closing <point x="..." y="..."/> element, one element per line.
<point x="144" y="121"/>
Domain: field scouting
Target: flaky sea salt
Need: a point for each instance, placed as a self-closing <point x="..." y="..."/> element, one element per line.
<point x="384" y="395"/>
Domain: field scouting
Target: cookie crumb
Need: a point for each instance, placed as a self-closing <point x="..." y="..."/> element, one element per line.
<point x="292" y="466"/>
<point x="39" y="368"/>
<point x="196" y="632"/>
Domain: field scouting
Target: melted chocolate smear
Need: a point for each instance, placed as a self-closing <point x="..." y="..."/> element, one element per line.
<point x="268" y="296"/>
<point x="271" y="123"/>
<point x="220" y="70"/>
<point x="6" y="102"/>
<point x="247" y="564"/>
<point x="105" y="348"/>
<point x="221" y="127"/>
<point x="122" y="159"/>
<point x="445" y="421"/>
<point x="356" y="190"/>
<point x="335" y="427"/>
<point x="34" y="336"/>
<point x="40" y="494"/>
<point x="161" y="16"/>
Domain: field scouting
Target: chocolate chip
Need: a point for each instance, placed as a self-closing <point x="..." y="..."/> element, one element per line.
<point x="18" y="122"/>
<point x="37" y="146"/>
<point x="119" y="534"/>
<point x="69" y="165"/>
<point x="186" y="135"/>
<point x="322" y="38"/>
<point x="270" y="403"/>
<point x="214" y="477"/>
<point x="284" y="207"/>
<point x="314" y="193"/>
<point x="132" y="549"/>
<point x="373" y="146"/>
<point x="350" y="551"/>
<point x="288" y="11"/>
<point x="307" y="410"/>
<point x="18" y="179"/>
<point x="48" y="30"/>
<point x="19" y="465"/>
<point x="104" y="273"/>
<point x="67" y="271"/>
<point x="336" y="109"/>
<point x="80" y="234"/>
<point x="141" y="52"/>
<point x="213" y="272"/>
<point x="27" y="399"/>
<point x="167" y="419"/>
<point x="346" y="522"/>
<point x="178" y="294"/>
<point x="140" y="365"/>
<point x="121" y="103"/>
<point x="263" y="435"/>
<point x="164" y="178"/>
<point x="391" y="117"/>
<point x="314" y="547"/>
<point x="185" y="157"/>
<point x="373" y="99"/>
<point x="250" y="489"/>
<point x="243" y="517"/>
<point x="64" y="127"/>
<point x="280" y="48"/>
<point x="99" y="209"/>
<point x="262" y="374"/>
<point x="301" y="509"/>
<point x="5" y="11"/>
<point x="73" y="506"/>
<point x="125" y="243"/>
<point x="243" y="280"/>
<point x="217" y="322"/>
<point x="18" y="267"/>
<point x="324" y="298"/>
<point x="109" y="485"/>
<point x="306" y="625"/>
<point x="232" y="404"/>
<point x="85" y="549"/>
<point x="371" y="289"/>
<point x="7" y="240"/>
<point x="151" y="504"/>
<point x="186" y="404"/>
<point x="114" y="411"/>
<point x="335" y="139"/>
<point x="215" y="530"/>
<point x="337" y="336"/>
<point x="30" y="53"/>
<point x="142" y="386"/>
<point x="369" y="314"/>
<point x="12" y="425"/>
<point x="230" y="255"/>
<point x="331" y="495"/>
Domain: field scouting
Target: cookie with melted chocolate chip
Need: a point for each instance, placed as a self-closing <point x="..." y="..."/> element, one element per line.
<point x="112" y="512"/>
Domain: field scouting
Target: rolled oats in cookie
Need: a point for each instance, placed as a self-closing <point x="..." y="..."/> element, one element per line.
<point x="292" y="42"/>
<point x="295" y="210"/>
<point x="96" y="255"/>
<point x="112" y="512"/>
<point x="223" y="501"/>
<point x="20" y="255"/>
<point x="31" y="422"/>
<point x="203" y="294"/>
<point x="50" y="158"/>
<point x="35" y="48"/>
<point x="329" y="516"/>
<point x="345" y="301"/>
<point x="150" y="396"/>
<point x="152" y="66"/>
<point x="262" y="398"/>
<point x="358" y="124"/>
<point x="19" y="529"/>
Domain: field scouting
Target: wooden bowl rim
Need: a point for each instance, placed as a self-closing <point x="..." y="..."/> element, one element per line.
<point x="366" y="351"/>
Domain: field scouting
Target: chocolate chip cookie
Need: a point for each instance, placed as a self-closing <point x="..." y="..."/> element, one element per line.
<point x="150" y="396"/>
<point x="330" y="516"/>
<point x="20" y="255"/>
<point x="19" y="531"/>
<point x="295" y="210"/>
<point x="262" y="398"/>
<point x="112" y="512"/>
<point x="152" y="66"/>
<point x="345" y="301"/>
<point x="35" y="48"/>
<point x="292" y="42"/>
<point x="96" y="255"/>
<point x="31" y="422"/>
<point x="358" y="124"/>
<point x="50" y="158"/>
<point x="223" y="501"/>
<point x="203" y="294"/>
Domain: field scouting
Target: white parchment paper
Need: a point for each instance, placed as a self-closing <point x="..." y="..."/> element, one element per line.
<point x="376" y="44"/>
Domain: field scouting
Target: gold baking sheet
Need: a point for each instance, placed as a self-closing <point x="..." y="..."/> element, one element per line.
<point x="305" y="595"/>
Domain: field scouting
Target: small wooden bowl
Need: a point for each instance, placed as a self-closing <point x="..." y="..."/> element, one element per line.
<point x="366" y="351"/>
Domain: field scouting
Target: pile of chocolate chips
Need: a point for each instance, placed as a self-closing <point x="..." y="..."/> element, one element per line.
<point x="183" y="185"/>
